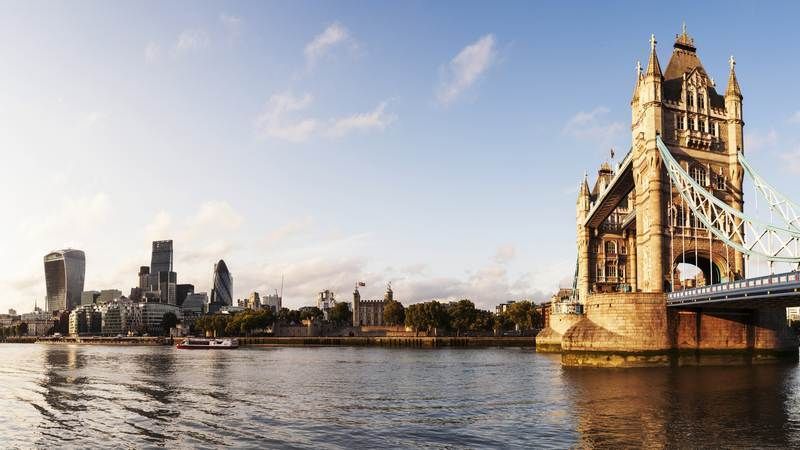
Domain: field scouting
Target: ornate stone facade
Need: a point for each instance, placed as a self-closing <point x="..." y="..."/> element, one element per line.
<point x="633" y="228"/>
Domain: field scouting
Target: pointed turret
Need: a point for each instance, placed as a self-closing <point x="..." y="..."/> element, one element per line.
<point x="733" y="83"/>
<point x="635" y="96"/>
<point x="653" y="67"/>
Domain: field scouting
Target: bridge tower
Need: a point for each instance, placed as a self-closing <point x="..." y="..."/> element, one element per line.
<point x="633" y="228"/>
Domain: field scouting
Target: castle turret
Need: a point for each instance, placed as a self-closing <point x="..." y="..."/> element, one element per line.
<point x="735" y="137"/>
<point x="582" y="236"/>
<point x="356" y="306"/>
<point x="389" y="295"/>
<point x="648" y="177"/>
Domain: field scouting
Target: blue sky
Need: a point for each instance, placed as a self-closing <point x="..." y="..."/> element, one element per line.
<point x="436" y="145"/>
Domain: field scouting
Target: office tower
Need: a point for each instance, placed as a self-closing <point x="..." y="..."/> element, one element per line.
<point x="161" y="277"/>
<point x="222" y="288"/>
<point x="144" y="278"/>
<point x="64" y="272"/>
<point x="161" y="261"/>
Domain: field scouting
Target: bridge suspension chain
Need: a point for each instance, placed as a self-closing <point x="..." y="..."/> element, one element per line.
<point x="771" y="242"/>
<point x="787" y="210"/>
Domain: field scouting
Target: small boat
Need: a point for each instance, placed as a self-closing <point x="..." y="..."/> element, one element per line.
<point x="198" y="343"/>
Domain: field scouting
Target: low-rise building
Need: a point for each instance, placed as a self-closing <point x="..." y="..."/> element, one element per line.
<point x="85" y="319"/>
<point x="39" y="322"/>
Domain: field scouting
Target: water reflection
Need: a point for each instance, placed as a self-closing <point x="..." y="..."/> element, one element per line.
<point x="686" y="407"/>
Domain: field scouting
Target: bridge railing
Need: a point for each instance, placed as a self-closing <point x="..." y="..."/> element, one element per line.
<point x="749" y="283"/>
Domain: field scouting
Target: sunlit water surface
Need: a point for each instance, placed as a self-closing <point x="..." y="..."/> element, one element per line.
<point x="340" y="397"/>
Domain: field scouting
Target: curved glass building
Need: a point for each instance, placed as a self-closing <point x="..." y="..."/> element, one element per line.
<point x="64" y="272"/>
<point x="222" y="290"/>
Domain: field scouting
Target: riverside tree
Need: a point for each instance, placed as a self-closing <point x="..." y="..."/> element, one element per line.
<point x="462" y="316"/>
<point x="340" y="314"/>
<point x="168" y="321"/>
<point x="523" y="314"/>
<point x="393" y="313"/>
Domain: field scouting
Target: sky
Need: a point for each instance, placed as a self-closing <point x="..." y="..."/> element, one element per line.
<point x="433" y="145"/>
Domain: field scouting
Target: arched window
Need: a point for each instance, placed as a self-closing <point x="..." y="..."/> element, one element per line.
<point x="623" y="250"/>
<point x="611" y="248"/>
<point x="690" y="98"/>
<point x="699" y="175"/>
<point x="680" y="216"/>
<point x="621" y="272"/>
<point x="720" y="182"/>
<point x="611" y="269"/>
<point x="599" y="271"/>
<point x="700" y="100"/>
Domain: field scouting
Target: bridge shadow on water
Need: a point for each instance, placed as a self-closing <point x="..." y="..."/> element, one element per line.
<point x="687" y="407"/>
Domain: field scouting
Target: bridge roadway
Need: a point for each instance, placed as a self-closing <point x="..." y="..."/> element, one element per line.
<point x="778" y="290"/>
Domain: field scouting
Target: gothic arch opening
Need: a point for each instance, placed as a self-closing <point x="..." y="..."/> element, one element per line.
<point x="695" y="269"/>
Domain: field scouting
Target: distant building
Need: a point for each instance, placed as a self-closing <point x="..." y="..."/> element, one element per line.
<point x="64" y="272"/>
<point x="503" y="307"/>
<point x="253" y="301"/>
<point x="272" y="301"/>
<point x="370" y="312"/>
<point x="161" y="258"/>
<point x="152" y="314"/>
<point x="8" y="320"/>
<point x="107" y="295"/>
<point x="195" y="304"/>
<point x="12" y="311"/>
<point x="89" y="297"/>
<point x="162" y="279"/>
<point x="118" y="317"/>
<point x="222" y="288"/>
<point x="144" y="278"/>
<point x="85" y="319"/>
<point x="326" y="301"/>
<point x="181" y="292"/>
<point x="39" y="322"/>
<point x="123" y="316"/>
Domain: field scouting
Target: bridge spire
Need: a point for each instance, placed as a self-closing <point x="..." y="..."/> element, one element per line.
<point x="653" y="67"/>
<point x="733" y="83"/>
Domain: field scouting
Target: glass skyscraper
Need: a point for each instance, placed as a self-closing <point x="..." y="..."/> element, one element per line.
<point x="161" y="277"/>
<point x="222" y="290"/>
<point x="161" y="260"/>
<point x="64" y="272"/>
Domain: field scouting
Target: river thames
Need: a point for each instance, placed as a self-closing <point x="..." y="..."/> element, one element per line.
<point x="343" y="397"/>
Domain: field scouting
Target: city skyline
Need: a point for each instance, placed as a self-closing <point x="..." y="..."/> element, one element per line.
<point x="330" y="147"/>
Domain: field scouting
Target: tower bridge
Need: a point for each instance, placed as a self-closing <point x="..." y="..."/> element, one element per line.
<point x="676" y="201"/>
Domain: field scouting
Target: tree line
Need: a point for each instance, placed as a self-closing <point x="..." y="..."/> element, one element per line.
<point x="461" y="317"/>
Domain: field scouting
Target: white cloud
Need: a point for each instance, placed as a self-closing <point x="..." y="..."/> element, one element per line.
<point x="288" y="231"/>
<point x="466" y="68"/>
<point x="593" y="125"/>
<point x="152" y="52"/>
<point x="322" y="44"/>
<point x="376" y="119"/>
<point x="191" y="41"/>
<point x="273" y="123"/>
<point x="792" y="160"/>
<point x="505" y="253"/>
<point x="276" y="121"/>
<point x="232" y="25"/>
<point x="756" y="140"/>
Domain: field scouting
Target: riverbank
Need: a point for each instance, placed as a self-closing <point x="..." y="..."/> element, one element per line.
<point x="356" y="341"/>
<point x="388" y="341"/>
